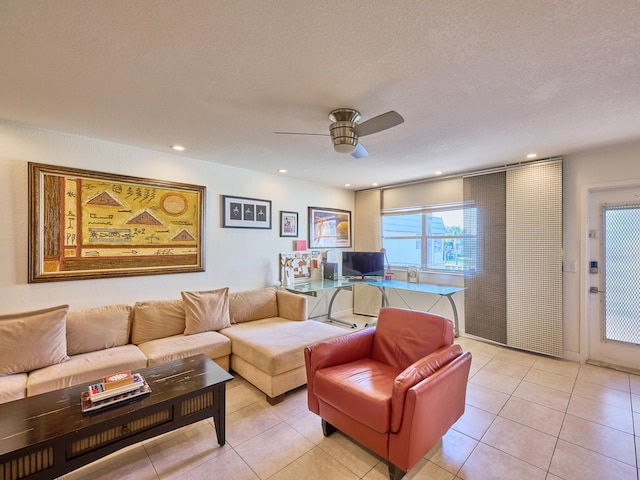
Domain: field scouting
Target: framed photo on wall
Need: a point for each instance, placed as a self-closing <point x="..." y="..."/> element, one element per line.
<point x="241" y="212"/>
<point x="288" y="224"/>
<point x="85" y="224"/>
<point x="329" y="228"/>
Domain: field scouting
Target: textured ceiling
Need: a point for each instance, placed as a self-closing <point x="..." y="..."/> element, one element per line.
<point x="479" y="83"/>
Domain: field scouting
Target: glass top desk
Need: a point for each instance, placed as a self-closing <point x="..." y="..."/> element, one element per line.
<point x="312" y="287"/>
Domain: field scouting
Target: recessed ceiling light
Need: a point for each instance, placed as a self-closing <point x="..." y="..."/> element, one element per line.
<point x="375" y="184"/>
<point x="438" y="172"/>
<point x="282" y="170"/>
<point x="177" y="148"/>
<point x="347" y="184"/>
<point x="532" y="155"/>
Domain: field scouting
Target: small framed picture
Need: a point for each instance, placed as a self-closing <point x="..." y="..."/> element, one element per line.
<point x="288" y="224"/>
<point x="413" y="276"/>
<point x="240" y="212"/>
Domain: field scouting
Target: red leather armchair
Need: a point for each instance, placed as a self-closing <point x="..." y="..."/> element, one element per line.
<point x="396" y="388"/>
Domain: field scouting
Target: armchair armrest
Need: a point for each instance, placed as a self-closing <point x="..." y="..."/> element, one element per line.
<point x="291" y="306"/>
<point x="414" y="374"/>
<point x="431" y="407"/>
<point x="344" y="349"/>
<point x="336" y="351"/>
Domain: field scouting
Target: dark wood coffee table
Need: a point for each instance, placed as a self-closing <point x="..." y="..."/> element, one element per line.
<point x="47" y="435"/>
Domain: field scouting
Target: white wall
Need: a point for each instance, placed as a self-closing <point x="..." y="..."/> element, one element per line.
<point x="238" y="258"/>
<point x="609" y="164"/>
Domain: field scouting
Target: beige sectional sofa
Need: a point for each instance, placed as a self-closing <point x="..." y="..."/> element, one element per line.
<point x="260" y="334"/>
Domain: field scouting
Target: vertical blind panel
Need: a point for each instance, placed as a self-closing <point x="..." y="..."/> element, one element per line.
<point x="484" y="257"/>
<point x="534" y="257"/>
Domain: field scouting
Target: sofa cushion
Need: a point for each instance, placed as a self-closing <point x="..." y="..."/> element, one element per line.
<point x="253" y="305"/>
<point x="157" y="319"/>
<point x="86" y="368"/>
<point x="98" y="328"/>
<point x="275" y="345"/>
<point x="163" y="350"/>
<point x="32" y="340"/>
<point x="13" y="387"/>
<point x="361" y="390"/>
<point x="291" y="306"/>
<point x="206" y="311"/>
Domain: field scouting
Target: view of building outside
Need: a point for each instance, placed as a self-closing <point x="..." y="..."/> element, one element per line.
<point x="427" y="240"/>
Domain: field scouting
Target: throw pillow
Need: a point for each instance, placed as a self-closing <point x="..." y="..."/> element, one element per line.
<point x="253" y="305"/>
<point x="205" y="311"/>
<point x="32" y="340"/>
<point x="157" y="319"/>
<point x="97" y="328"/>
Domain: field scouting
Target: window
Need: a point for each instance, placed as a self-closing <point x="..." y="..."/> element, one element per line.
<point x="427" y="238"/>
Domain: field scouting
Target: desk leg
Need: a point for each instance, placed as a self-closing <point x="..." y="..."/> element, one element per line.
<point x="455" y="315"/>
<point x="337" y="320"/>
<point x="385" y="299"/>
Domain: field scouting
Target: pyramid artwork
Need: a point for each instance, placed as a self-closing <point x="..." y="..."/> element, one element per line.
<point x="113" y="225"/>
<point x="183" y="236"/>
<point x="144" y="218"/>
<point x="104" y="198"/>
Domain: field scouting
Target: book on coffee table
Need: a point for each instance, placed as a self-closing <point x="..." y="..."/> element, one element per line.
<point x="117" y="380"/>
<point x="90" y="404"/>
<point x="100" y="391"/>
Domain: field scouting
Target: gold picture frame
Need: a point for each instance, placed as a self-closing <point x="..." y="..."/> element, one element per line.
<point x="329" y="227"/>
<point x="85" y="224"/>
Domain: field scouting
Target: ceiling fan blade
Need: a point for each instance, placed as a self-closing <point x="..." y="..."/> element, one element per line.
<point x="300" y="133"/>
<point x="360" y="151"/>
<point x="379" y="123"/>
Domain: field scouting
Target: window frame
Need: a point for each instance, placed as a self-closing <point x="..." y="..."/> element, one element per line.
<point x="424" y="237"/>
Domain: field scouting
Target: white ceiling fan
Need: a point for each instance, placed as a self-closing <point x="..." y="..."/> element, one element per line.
<point x="345" y="129"/>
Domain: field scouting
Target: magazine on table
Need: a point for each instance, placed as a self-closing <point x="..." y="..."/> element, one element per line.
<point x="92" y="399"/>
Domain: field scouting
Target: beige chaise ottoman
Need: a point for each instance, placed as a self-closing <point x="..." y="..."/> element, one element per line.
<point x="269" y="330"/>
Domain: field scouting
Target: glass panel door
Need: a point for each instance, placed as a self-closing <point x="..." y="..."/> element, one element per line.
<point x="613" y="274"/>
<point x="622" y="273"/>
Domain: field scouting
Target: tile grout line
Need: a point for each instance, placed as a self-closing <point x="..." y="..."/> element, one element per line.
<point x="546" y="471"/>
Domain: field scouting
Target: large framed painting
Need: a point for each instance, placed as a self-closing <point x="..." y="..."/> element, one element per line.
<point x="86" y="224"/>
<point x="240" y="212"/>
<point x="329" y="227"/>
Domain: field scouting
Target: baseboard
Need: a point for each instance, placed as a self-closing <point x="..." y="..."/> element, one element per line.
<point x="619" y="368"/>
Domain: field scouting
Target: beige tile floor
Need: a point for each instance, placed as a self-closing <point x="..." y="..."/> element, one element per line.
<point x="527" y="417"/>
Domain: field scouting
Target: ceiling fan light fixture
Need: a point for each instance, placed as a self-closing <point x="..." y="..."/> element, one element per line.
<point x="342" y="135"/>
<point x="344" y="147"/>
